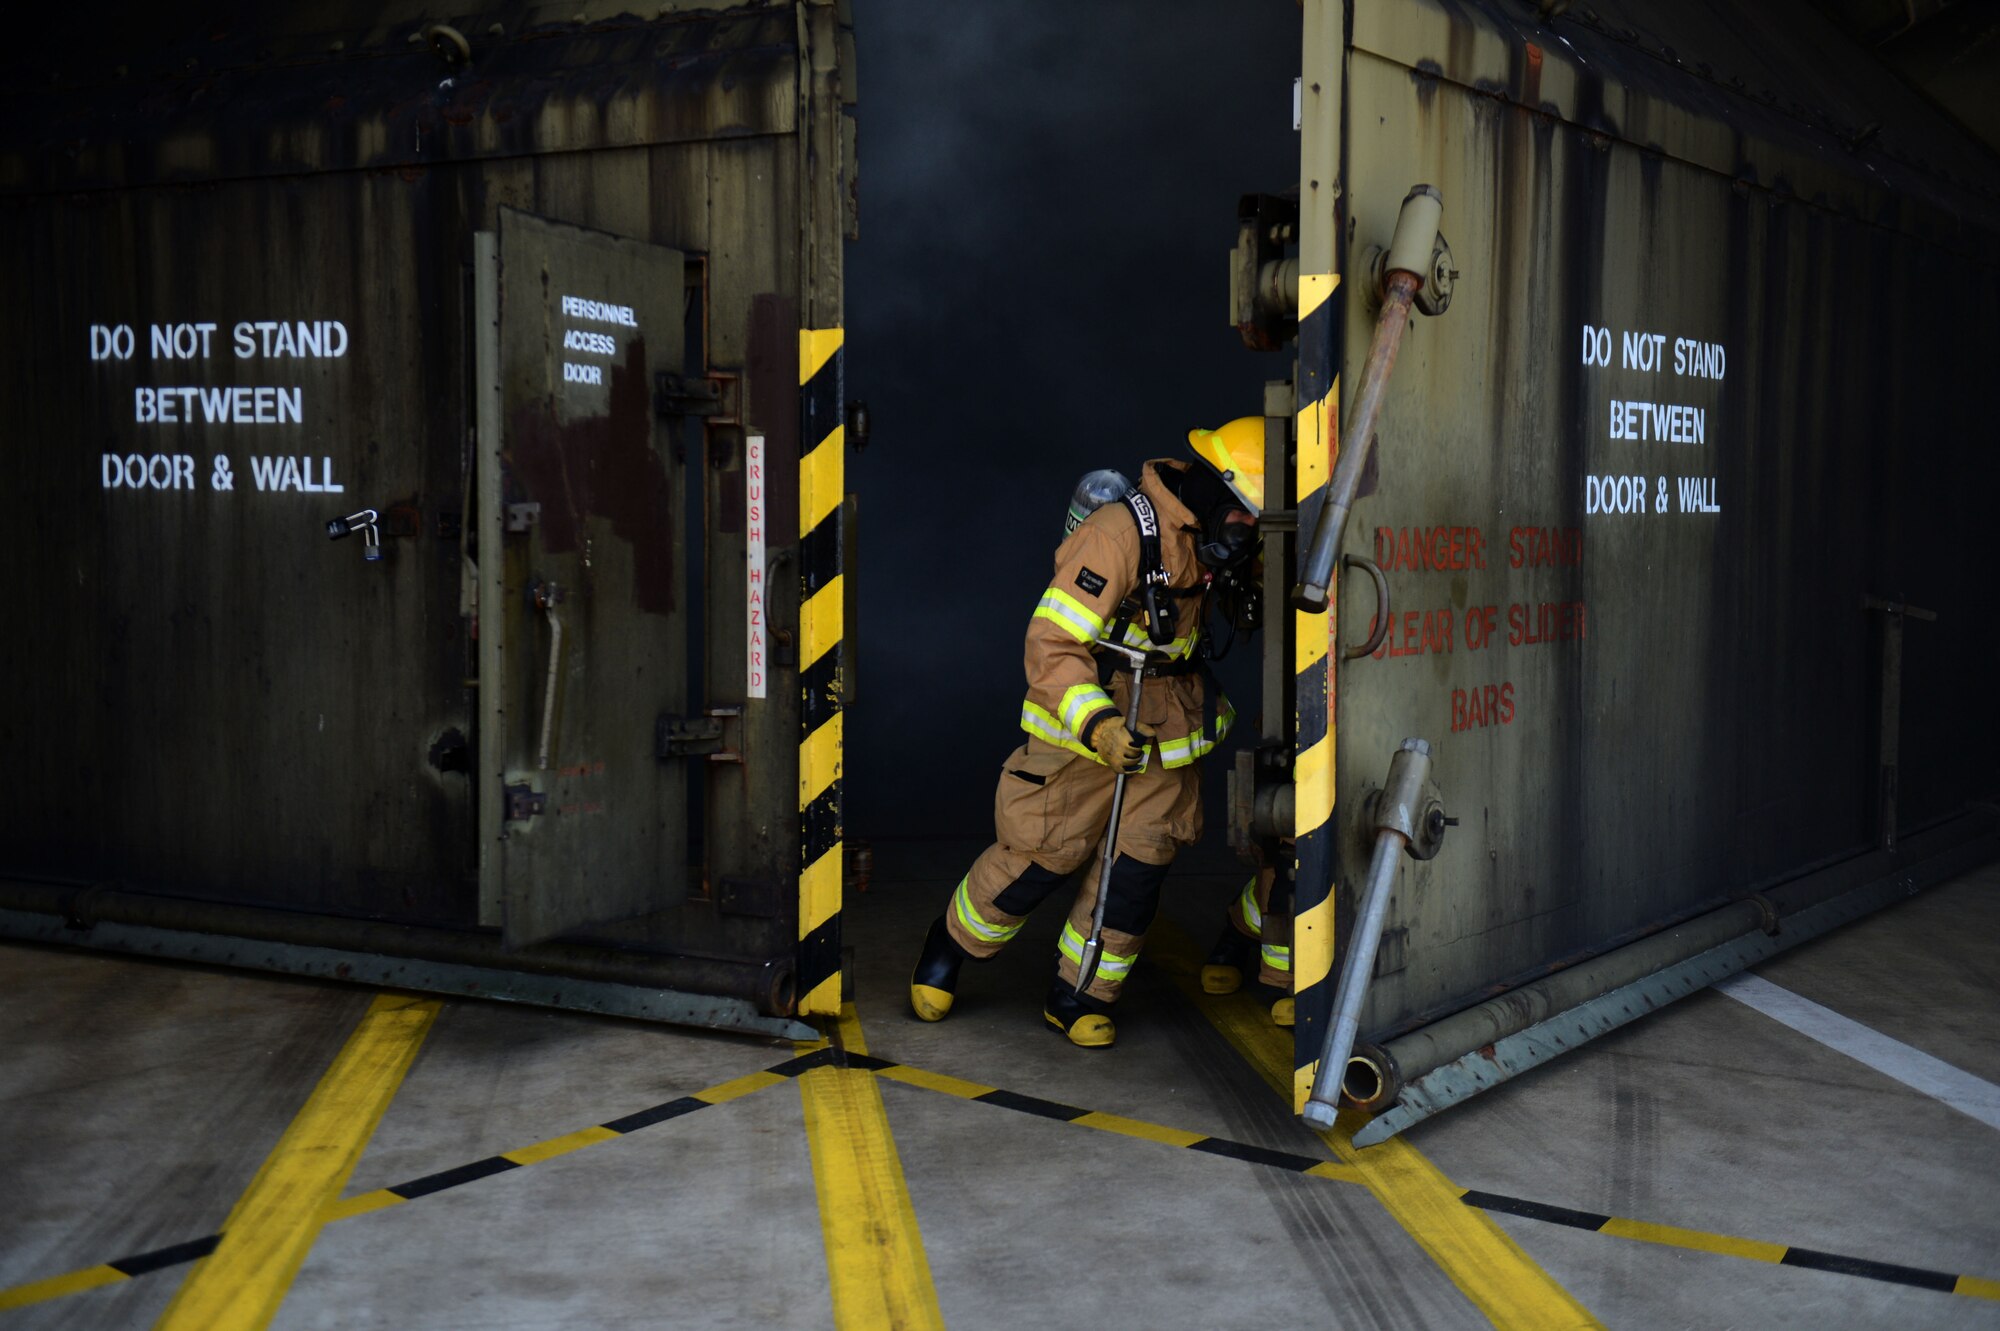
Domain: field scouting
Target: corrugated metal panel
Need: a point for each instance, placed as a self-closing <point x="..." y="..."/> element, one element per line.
<point x="1642" y="710"/>
<point x="243" y="101"/>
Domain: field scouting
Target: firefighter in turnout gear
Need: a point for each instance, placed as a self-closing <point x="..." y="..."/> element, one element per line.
<point x="1256" y="940"/>
<point x="1138" y="570"/>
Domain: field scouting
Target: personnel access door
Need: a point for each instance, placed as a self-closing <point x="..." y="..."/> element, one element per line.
<point x="581" y="620"/>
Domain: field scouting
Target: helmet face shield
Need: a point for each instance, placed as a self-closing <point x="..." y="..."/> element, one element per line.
<point x="1236" y="452"/>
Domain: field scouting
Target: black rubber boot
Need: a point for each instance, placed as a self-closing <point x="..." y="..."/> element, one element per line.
<point x="935" y="980"/>
<point x="1085" y="1020"/>
<point x="1233" y="956"/>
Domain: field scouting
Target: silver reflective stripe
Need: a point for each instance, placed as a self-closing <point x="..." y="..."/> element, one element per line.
<point x="1277" y="958"/>
<point x="1251" y="915"/>
<point x="1110" y="966"/>
<point x="1080" y="702"/>
<point x="968" y="915"/>
<point x="1065" y="610"/>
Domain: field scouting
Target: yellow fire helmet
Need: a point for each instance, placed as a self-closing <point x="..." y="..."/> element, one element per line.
<point x="1236" y="451"/>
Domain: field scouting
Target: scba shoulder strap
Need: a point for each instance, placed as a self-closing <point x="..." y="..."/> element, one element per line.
<point x="1155" y="591"/>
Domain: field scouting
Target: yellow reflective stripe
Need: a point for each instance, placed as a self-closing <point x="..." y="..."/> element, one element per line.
<point x="1075" y="618"/>
<point x="1248" y="905"/>
<point x="1180" y="752"/>
<point x="1136" y="638"/>
<point x="968" y="915"/>
<point x="1035" y="719"/>
<point x="1277" y="958"/>
<point x="1080" y="703"/>
<point x="1110" y="966"/>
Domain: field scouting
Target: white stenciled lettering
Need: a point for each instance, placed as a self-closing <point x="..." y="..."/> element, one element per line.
<point x="184" y="341"/>
<point x="1596" y="345"/>
<point x="1614" y="494"/>
<point x="141" y="471"/>
<point x="1664" y="422"/>
<point x="582" y="374"/>
<point x="594" y="311"/>
<point x="1642" y="350"/>
<point x="242" y="405"/>
<point x="1699" y="360"/>
<point x="294" y="474"/>
<point x="109" y="342"/>
<point x="582" y="339"/>
<point x="318" y="339"/>
<point x="1698" y="495"/>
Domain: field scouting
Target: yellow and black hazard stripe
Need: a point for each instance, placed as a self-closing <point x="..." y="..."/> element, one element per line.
<point x="1320" y="310"/>
<point x="822" y="486"/>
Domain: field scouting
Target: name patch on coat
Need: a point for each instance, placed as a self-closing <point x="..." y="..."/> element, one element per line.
<point x="1092" y="583"/>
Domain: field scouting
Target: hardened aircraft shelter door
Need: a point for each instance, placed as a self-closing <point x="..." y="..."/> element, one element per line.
<point x="581" y="588"/>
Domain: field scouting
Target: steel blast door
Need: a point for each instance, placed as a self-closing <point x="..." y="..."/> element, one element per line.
<point x="582" y="622"/>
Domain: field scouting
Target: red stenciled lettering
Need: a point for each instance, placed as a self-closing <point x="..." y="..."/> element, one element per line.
<point x="1481" y="621"/>
<point x="1550" y="621"/>
<point x="1433" y="549"/>
<point x="1482" y="706"/>
<point x="1543" y="547"/>
<point x="1417" y="633"/>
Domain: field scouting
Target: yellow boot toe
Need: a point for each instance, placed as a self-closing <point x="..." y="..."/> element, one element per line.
<point x="929" y="1003"/>
<point x="1089" y="1031"/>
<point x="1283" y="1012"/>
<point x="1221" y="979"/>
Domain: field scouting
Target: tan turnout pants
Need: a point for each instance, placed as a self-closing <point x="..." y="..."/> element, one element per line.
<point x="1251" y="915"/>
<point x="1049" y="813"/>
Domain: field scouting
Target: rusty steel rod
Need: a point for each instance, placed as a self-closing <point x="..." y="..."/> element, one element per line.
<point x="1315" y="580"/>
<point x="1395" y="827"/>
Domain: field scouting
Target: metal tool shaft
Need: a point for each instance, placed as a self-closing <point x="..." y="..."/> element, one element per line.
<point x="1093" y="947"/>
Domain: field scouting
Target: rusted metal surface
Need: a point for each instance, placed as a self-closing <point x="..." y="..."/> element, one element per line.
<point x="269" y="92"/>
<point x="251" y="715"/>
<point x="1670" y="703"/>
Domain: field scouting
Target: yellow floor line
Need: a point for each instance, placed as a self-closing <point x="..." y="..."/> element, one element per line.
<point x="275" y="1222"/>
<point x="1489" y="1268"/>
<point x="874" y="1253"/>
<point x="57" y="1287"/>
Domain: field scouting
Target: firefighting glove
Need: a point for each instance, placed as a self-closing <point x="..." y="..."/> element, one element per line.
<point x="1114" y="744"/>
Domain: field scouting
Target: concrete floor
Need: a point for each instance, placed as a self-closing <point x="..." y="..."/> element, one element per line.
<point x="138" y="1099"/>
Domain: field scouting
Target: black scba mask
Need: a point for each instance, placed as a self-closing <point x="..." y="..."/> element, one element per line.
<point x="1223" y="544"/>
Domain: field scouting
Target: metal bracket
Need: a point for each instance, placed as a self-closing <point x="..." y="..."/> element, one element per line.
<point x="686" y="737"/>
<point x="524" y="802"/>
<point x="685" y="395"/>
<point x="523" y="517"/>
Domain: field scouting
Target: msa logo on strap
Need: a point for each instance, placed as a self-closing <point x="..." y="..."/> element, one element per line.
<point x="1142" y="513"/>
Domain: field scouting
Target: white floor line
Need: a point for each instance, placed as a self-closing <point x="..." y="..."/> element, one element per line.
<point x="1934" y="1077"/>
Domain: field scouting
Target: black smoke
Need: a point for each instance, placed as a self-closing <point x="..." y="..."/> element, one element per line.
<point x="1048" y="196"/>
